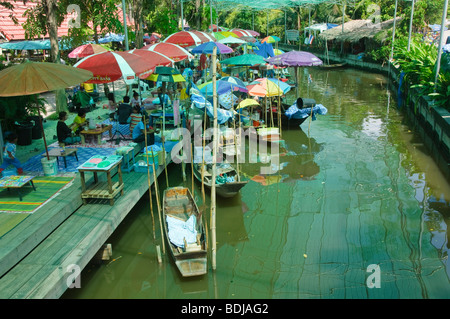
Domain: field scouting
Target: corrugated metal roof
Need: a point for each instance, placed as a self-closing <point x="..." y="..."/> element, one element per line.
<point x="12" y="31"/>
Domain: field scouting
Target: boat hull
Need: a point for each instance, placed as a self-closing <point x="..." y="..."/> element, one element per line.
<point x="191" y="260"/>
<point x="226" y="190"/>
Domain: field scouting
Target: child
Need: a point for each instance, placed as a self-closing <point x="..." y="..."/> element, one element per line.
<point x="135" y="118"/>
<point x="9" y="154"/>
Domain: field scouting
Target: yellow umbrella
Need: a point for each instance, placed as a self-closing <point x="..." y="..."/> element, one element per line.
<point x="278" y="51"/>
<point x="228" y="34"/>
<point x="246" y="103"/>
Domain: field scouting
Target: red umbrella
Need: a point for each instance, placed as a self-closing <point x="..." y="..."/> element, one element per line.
<point x="241" y="33"/>
<point x="173" y="51"/>
<point x="157" y="58"/>
<point x="205" y="36"/>
<point x="253" y="33"/>
<point x="188" y="38"/>
<point x="215" y="28"/>
<point x="87" y="50"/>
<point x="112" y="65"/>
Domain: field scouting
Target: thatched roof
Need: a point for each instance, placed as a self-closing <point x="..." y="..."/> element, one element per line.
<point x="357" y="29"/>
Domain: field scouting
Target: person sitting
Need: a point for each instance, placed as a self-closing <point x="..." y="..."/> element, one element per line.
<point x="111" y="106"/>
<point x="9" y="154"/>
<point x="79" y="122"/>
<point x="139" y="132"/>
<point x="64" y="133"/>
<point x="135" y="117"/>
<point x="124" y="110"/>
<point x="135" y="100"/>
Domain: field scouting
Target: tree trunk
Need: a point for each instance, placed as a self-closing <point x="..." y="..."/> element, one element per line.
<point x="52" y="27"/>
<point x="137" y="12"/>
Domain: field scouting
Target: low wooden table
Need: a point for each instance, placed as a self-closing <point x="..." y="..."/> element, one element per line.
<point x="56" y="152"/>
<point x="102" y="190"/>
<point x="98" y="131"/>
<point x="17" y="182"/>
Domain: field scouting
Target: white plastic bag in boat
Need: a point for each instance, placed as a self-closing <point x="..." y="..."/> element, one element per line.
<point x="180" y="230"/>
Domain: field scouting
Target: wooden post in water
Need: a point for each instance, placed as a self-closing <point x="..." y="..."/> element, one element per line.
<point x="155" y="180"/>
<point x="213" y="186"/>
<point x="148" y="176"/>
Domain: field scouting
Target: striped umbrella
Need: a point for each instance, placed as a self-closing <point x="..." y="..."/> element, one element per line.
<point x="270" y="39"/>
<point x="112" y="65"/>
<point x="87" y="50"/>
<point x="173" y="51"/>
<point x="188" y="38"/>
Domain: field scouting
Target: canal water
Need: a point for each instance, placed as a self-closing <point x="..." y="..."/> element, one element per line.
<point x="358" y="210"/>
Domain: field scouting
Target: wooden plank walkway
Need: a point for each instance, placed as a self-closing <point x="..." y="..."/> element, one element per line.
<point x="36" y="257"/>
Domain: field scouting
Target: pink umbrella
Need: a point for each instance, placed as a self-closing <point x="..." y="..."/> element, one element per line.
<point x="241" y="33"/>
<point x="253" y="33"/>
<point x="87" y="50"/>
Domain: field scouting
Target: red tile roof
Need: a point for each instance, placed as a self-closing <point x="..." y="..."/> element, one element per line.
<point x="14" y="32"/>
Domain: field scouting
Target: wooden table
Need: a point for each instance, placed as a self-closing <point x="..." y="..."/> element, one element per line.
<point x="98" y="131"/>
<point x="56" y="152"/>
<point x="101" y="190"/>
<point x="16" y="181"/>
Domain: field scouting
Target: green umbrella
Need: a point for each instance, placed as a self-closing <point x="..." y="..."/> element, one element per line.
<point x="245" y="59"/>
<point x="166" y="74"/>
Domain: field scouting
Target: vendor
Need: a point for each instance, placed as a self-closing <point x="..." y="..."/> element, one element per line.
<point x="79" y="122"/>
<point x="138" y="133"/>
<point x="64" y="133"/>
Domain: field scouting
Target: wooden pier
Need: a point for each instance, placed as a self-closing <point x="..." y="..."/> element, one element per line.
<point x="40" y="257"/>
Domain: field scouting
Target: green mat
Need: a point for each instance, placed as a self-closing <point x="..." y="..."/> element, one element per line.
<point x="13" y="211"/>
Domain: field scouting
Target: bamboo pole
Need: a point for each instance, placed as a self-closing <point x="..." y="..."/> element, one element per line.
<point x="148" y="177"/>
<point x="155" y="180"/>
<point x="213" y="186"/>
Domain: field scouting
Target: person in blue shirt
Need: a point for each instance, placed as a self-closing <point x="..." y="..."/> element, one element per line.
<point x="138" y="133"/>
<point x="9" y="154"/>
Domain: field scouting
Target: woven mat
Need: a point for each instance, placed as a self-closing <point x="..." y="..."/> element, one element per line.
<point x="13" y="211"/>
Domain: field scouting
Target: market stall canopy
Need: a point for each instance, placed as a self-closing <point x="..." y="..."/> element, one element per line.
<point x="38" y="77"/>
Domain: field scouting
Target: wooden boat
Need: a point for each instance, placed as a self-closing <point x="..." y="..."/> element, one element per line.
<point x="184" y="231"/>
<point x="226" y="189"/>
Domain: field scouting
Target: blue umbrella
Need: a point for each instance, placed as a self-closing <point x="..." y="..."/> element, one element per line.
<point x="25" y="45"/>
<point x="111" y="37"/>
<point x="208" y="47"/>
<point x="222" y="87"/>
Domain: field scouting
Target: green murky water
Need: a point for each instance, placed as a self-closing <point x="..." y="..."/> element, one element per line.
<point x="356" y="189"/>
